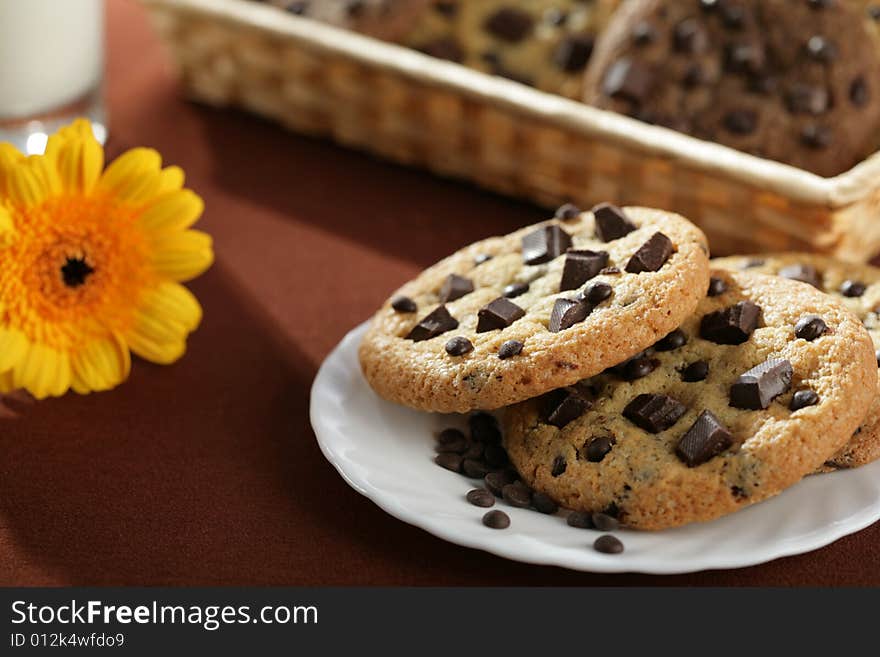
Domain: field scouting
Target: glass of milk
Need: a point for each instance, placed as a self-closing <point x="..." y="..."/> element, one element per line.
<point x="51" y="68"/>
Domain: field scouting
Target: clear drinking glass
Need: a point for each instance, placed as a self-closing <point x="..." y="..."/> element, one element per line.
<point x="51" y="68"/>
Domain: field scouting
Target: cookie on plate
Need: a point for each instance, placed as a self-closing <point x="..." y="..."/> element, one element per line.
<point x="542" y="43"/>
<point x="760" y="386"/>
<point x="858" y="288"/>
<point x="512" y="317"/>
<point x="793" y="81"/>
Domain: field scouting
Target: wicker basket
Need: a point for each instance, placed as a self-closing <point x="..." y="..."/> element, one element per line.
<point x="417" y="110"/>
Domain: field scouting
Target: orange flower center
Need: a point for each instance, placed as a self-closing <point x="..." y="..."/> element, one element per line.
<point x="75" y="270"/>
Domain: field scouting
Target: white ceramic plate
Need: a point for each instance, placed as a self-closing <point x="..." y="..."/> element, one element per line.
<point x="385" y="452"/>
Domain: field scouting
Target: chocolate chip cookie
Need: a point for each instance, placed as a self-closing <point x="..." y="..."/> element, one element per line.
<point x="858" y="288"/>
<point x="541" y="43"/>
<point x="512" y="317"/>
<point x="760" y="386"/>
<point x="384" y="19"/>
<point x="796" y="81"/>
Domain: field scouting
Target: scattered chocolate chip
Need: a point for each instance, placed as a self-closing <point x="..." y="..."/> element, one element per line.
<point x="604" y="522"/>
<point x="481" y="497"/>
<point x="451" y="440"/>
<point x="858" y="92"/>
<point x="640" y="367"/>
<point x="741" y="122"/>
<point x="581" y="266"/>
<point x="449" y="461"/>
<point x="759" y="386"/>
<point x="706" y="438"/>
<point x="509" y="24"/>
<point x="543" y="503"/>
<point x="651" y="255"/>
<point x="744" y="58"/>
<point x="608" y="544"/>
<point x="483" y="257"/>
<point x="566" y="313"/>
<point x="763" y="84"/>
<point x="559" y="466"/>
<point x="567" y="212"/>
<point x="403" y="304"/>
<point x="654" y="413"/>
<point x="496" y="481"/>
<point x="732" y="16"/>
<point x="611" y="222"/>
<point x="816" y="136"/>
<point x="821" y="49"/>
<point x="697" y="371"/>
<point x="517" y="494"/>
<point x="459" y="346"/>
<point x="689" y="37"/>
<point x="802" y="273"/>
<point x="447" y="48"/>
<point x="643" y="33"/>
<point x="717" y="287"/>
<point x="447" y="8"/>
<point x="732" y="325"/>
<point x="596" y="293"/>
<point x="455" y="287"/>
<point x="484" y="429"/>
<point x="515" y="289"/>
<point x="495" y="456"/>
<point x="628" y="80"/>
<point x="580" y="520"/>
<point x="672" y="341"/>
<point x="474" y="451"/>
<point x="802" y="399"/>
<point x="598" y="448"/>
<point x="810" y="327"/>
<point x="693" y="76"/>
<point x="496" y="520"/>
<point x="807" y="99"/>
<point x="574" y="52"/>
<point x="437" y="322"/>
<point x="545" y="244"/>
<point x="474" y="468"/>
<point x="498" y="314"/>
<point x="852" y="288"/>
<point x="510" y="349"/>
<point x="563" y="406"/>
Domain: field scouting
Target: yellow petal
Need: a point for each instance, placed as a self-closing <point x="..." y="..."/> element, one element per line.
<point x="101" y="364"/>
<point x="43" y="372"/>
<point x="13" y="346"/>
<point x="44" y="169"/>
<point x="133" y="176"/>
<point x="170" y="180"/>
<point x="174" y="211"/>
<point x="6" y="383"/>
<point x="10" y="157"/>
<point x="174" y="300"/>
<point x="79" y="160"/>
<point x="161" y="354"/>
<point x="183" y="256"/>
<point x="24" y="187"/>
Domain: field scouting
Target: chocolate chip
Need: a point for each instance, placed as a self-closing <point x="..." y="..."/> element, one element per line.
<point x="496" y="520"/>
<point x="810" y="327"/>
<point x="446" y="8"/>
<point x="563" y="406"/>
<point x="874" y="12"/>
<point x="438" y="322"/>
<point x="496" y="456"/>
<point x="566" y="313"/>
<point x="802" y="399"/>
<point x="580" y="520"/>
<point x="480" y="497"/>
<point x="447" y="48"/>
<point x="807" y="99"/>
<point x="545" y="244"/>
<point x="474" y="468"/>
<point x="732" y="325"/>
<point x="483" y="257"/>
<point x="802" y="273"/>
<point x="821" y="49"/>
<point x="696" y="371"/>
<point x="517" y="494"/>
<point x="543" y="503"/>
<point x="474" y="451"/>
<point x="717" y="287"/>
<point x="763" y="84"/>
<point x="858" y="92"/>
<point x="852" y="288"/>
<point x="567" y="212"/>
<point x="452" y="441"/>
<point x="403" y="304"/>
<point x="759" y="386"/>
<point x="608" y="544"/>
<point x="638" y="368"/>
<point x="598" y="448"/>
<point x="604" y="522"/>
<point x="651" y="255"/>
<point x="816" y="136"/>
<point x="744" y="58"/>
<point x="509" y="24"/>
<point x="510" y="349"/>
<point x="706" y="438"/>
<point x="459" y="346"/>
<point x="449" y="461"/>
<point x="693" y="76"/>
<point x="611" y="222"/>
<point x="498" y="314"/>
<point x="689" y="37"/>
<point x="496" y="481"/>
<point x="732" y="16"/>
<point x="610" y="271"/>
<point x="643" y="33"/>
<point x="672" y="341"/>
<point x="581" y="266"/>
<point x="574" y="52"/>
<point x="628" y="80"/>
<point x="654" y="413"/>
<point x="596" y="293"/>
<point x="455" y="287"/>
<point x="484" y="429"/>
<point x="741" y="122"/>
<point x="559" y="466"/>
<point x="515" y="289"/>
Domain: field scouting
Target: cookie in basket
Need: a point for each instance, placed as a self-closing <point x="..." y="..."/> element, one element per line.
<point x="384" y="19"/>
<point x="541" y="43"/>
<point x="797" y="82"/>
<point x="858" y="288"/>
<point x="512" y="317"/>
<point x="759" y="387"/>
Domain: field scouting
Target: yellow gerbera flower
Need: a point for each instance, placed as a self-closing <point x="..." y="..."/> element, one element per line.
<point x="91" y="261"/>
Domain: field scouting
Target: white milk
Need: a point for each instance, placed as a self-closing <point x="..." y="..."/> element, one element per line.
<point x="51" y="54"/>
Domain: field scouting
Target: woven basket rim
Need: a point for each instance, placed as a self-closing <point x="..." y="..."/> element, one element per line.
<point x="798" y="185"/>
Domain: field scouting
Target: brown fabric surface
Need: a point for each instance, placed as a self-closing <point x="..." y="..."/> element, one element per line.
<point x="207" y="472"/>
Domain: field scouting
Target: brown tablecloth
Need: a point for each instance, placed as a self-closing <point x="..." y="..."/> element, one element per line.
<point x="207" y="472"/>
